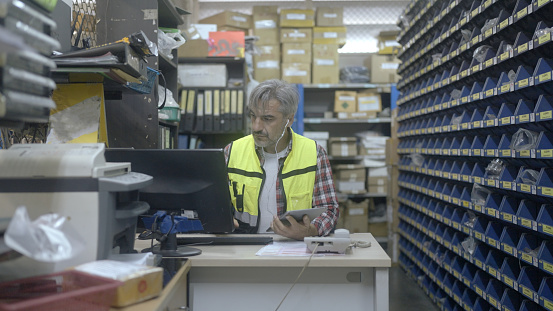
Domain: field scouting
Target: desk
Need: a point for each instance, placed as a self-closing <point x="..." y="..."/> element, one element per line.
<point x="234" y="278"/>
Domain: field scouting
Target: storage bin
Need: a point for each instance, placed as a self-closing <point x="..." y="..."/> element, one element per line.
<point x="68" y="290"/>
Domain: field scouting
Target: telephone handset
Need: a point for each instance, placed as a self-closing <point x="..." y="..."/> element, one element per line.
<point x="338" y="243"/>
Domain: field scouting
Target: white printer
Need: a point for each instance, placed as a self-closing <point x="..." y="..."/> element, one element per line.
<point x="100" y="199"/>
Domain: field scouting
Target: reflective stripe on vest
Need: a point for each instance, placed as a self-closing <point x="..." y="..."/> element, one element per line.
<point x="247" y="177"/>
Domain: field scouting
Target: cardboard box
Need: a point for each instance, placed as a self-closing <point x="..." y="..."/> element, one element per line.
<point x="377" y="189"/>
<point x="229" y="18"/>
<point x="296" y="73"/>
<point x="354" y="216"/>
<point x="193" y="48"/>
<point x="226" y="43"/>
<point x="378" y="229"/>
<point x="353" y="187"/>
<point x="297" y="18"/>
<point x="369" y="101"/>
<point x="387" y="42"/>
<point x="329" y="16"/>
<point x="378" y="171"/>
<point x="320" y="137"/>
<point x="267" y="62"/>
<point x="199" y="31"/>
<point x="325" y="64"/>
<point x="267" y="52"/>
<point x="202" y="75"/>
<point x="296" y="35"/>
<point x="350" y="172"/>
<point x="140" y="282"/>
<point x="345" y="101"/>
<point x="246" y="32"/>
<point x="392" y="157"/>
<point x="357" y="208"/>
<point x="383" y="68"/>
<point x="363" y="150"/>
<point x="377" y="181"/>
<point x="343" y="146"/>
<point x="329" y="35"/>
<point x="325" y="73"/>
<point x="356" y="115"/>
<point x="265" y="27"/>
<point x="296" y="53"/>
<point x="262" y="74"/>
<point x="265" y="9"/>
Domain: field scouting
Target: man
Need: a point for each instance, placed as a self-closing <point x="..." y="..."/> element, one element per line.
<point x="274" y="169"/>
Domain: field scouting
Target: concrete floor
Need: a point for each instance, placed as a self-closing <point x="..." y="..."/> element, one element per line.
<point x="406" y="295"/>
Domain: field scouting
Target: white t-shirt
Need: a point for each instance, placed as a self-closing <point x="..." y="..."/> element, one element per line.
<point x="267" y="199"/>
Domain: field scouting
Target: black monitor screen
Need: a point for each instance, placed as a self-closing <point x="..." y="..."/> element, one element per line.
<point x="184" y="179"/>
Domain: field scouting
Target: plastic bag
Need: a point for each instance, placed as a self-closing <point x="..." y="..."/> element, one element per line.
<point x="490" y="23"/>
<point x="456" y="94"/>
<point x="495" y="168"/>
<point x="472" y="220"/>
<point x="479" y="194"/>
<point x="480" y="53"/>
<point x="524" y="139"/>
<point x="507" y="48"/>
<point x="456" y="120"/>
<point x="417" y="159"/>
<point x="168" y="42"/>
<point x="354" y="74"/>
<point x="529" y="176"/>
<point x="167" y="97"/>
<point x="465" y="33"/>
<point x="542" y="32"/>
<point x="405" y="20"/>
<point x="469" y="245"/>
<point x="512" y="75"/>
<point x="49" y="238"/>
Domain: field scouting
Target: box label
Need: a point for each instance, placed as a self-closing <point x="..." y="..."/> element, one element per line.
<point x="295" y="16"/>
<point x="544" y="77"/>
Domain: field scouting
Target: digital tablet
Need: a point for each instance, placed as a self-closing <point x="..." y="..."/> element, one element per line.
<point x="298" y="214"/>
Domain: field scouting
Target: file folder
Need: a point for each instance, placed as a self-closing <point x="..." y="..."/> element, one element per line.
<point x="233" y="110"/>
<point x="240" y="111"/>
<point x="226" y="111"/>
<point x="199" y="112"/>
<point x="216" y="110"/>
<point x="189" y="116"/>
<point x="208" y="111"/>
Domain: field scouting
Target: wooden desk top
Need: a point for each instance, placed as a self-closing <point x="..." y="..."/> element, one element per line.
<point x="244" y="256"/>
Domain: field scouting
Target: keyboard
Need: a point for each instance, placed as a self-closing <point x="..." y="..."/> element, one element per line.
<point x="224" y="240"/>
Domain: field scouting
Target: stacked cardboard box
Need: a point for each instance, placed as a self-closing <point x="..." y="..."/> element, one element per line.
<point x="296" y="50"/>
<point x="354" y="216"/>
<point x="377" y="180"/>
<point x="350" y="178"/>
<point x="266" y="58"/>
<point x="383" y="68"/>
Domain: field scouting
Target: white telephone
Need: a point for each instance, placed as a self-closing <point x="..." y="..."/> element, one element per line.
<point x="338" y="243"/>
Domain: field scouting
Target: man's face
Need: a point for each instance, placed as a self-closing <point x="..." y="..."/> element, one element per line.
<point x="268" y="125"/>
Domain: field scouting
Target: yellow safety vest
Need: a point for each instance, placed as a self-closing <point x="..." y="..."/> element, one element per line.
<point x="246" y="177"/>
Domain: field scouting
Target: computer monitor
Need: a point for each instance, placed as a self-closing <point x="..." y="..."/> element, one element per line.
<point x="193" y="180"/>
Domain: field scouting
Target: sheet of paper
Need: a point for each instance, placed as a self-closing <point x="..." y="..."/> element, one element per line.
<point x="284" y="249"/>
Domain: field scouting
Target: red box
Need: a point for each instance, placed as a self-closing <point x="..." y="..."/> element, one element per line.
<point x="226" y="43"/>
<point x="66" y="290"/>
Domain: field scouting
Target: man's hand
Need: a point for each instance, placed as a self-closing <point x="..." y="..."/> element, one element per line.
<point x="296" y="230"/>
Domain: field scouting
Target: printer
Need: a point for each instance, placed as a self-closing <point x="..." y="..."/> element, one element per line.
<point x="99" y="199"/>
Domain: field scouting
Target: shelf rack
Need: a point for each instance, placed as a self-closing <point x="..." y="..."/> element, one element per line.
<point x="475" y="213"/>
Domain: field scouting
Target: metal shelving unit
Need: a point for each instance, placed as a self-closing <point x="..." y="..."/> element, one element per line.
<point x="474" y="230"/>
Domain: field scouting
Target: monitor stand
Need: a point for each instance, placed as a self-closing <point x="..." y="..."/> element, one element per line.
<point x="169" y="248"/>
